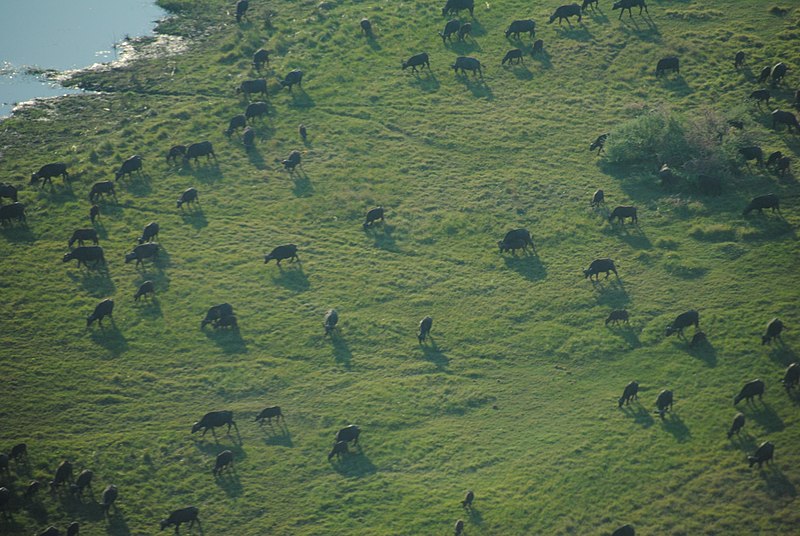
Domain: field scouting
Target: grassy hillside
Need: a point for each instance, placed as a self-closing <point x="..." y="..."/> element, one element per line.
<point x="515" y="397"/>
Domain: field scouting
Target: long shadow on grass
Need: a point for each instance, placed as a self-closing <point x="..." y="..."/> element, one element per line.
<point x="579" y="33"/>
<point x="293" y="279"/>
<point x="278" y="435"/>
<point x="139" y="186"/>
<point x="229" y="340"/>
<point x="229" y="481"/>
<point x="767" y="228"/>
<point x="465" y="47"/>
<point x="37" y="510"/>
<point x="766" y="417"/>
<point x="428" y="84"/>
<point x="521" y="72"/>
<point x="95" y="282"/>
<point x="704" y="351"/>
<point x="355" y="464"/>
<point x="109" y="337"/>
<point x="776" y="483"/>
<point x="117" y="526"/>
<point x="301" y="99"/>
<point x="208" y="172"/>
<point x="628" y="334"/>
<point x="383" y="237"/>
<point x="639" y="414"/>
<point x="301" y="186"/>
<point x="544" y="59"/>
<point x="648" y="31"/>
<point x="341" y="351"/>
<point x="19" y="234"/>
<point x="675" y="426"/>
<point x="529" y="266"/>
<point x="195" y="218"/>
<point x="632" y="235"/>
<point x="211" y="446"/>
<point x="434" y="354"/>
<point x="255" y="158"/>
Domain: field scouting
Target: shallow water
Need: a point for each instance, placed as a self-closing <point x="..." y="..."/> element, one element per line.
<point x="61" y="35"/>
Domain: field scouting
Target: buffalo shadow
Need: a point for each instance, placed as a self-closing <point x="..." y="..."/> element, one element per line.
<point x="195" y="217"/>
<point x="543" y="58"/>
<point x="521" y="71"/>
<point x="704" y="351"/>
<point x="776" y="484"/>
<point x="354" y="464"/>
<point x="229" y="340"/>
<point x="212" y="449"/>
<point x="208" y="173"/>
<point x="650" y="33"/>
<point x="465" y="47"/>
<point x="109" y="337"/>
<point x="301" y="185"/>
<point x="529" y="266"/>
<point x="434" y="354"/>
<point x="301" y="99"/>
<point x="632" y="234"/>
<point x="281" y="438"/>
<point x="428" y="84"/>
<point x="116" y="524"/>
<point x="614" y="295"/>
<point x="383" y="239"/>
<point x="766" y="417"/>
<point x="138" y="186"/>
<point x="477" y="86"/>
<point x="18" y="234"/>
<point x="639" y="414"/>
<point x="295" y="279"/>
<point x="229" y="482"/>
<point x="96" y="283"/>
<point x="626" y="333"/>
<point x="373" y="43"/>
<point x="673" y="424"/>
<point x="579" y="33"/>
<point x="255" y="158"/>
<point x="341" y="350"/>
<point x="768" y="228"/>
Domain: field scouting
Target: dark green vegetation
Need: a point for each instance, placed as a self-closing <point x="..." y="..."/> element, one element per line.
<point x="515" y="397"/>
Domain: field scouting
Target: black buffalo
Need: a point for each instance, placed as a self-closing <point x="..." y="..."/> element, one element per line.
<point x="621" y="212"/>
<point x="565" y="12"/>
<point x="14" y="211"/>
<point x="516" y="239"/>
<point x="454" y="6"/>
<point x="466" y="63"/>
<point x="142" y="252"/>
<point x="256" y="109"/>
<point x="521" y="26"/>
<point x="599" y="266"/>
<point x="260" y="57"/>
<point x="134" y="163"/>
<point x="215" y="312"/>
<point x="291" y="161"/>
<point x="599" y="198"/>
<point x="330" y="321"/>
<point x="294" y="77"/>
<point x="737" y="425"/>
<point x="374" y="215"/>
<point x="9" y="191"/>
<point x="622" y="5"/>
<point x="664" y="402"/>
<point x="785" y="118"/>
<point x="102" y="188"/>
<point x="174" y="152"/>
<point x="761" y="95"/>
<point x="196" y="150"/>
<point x="366" y="27"/>
<point x="241" y="11"/>
<point x="774" y="329"/>
<point x="188" y="514"/>
<point x="616" y="316"/>
<point x="683" y="320"/>
<point x="738" y="60"/>
<point x="215" y="419"/>
<point x="188" y="196"/>
<point x="223" y="461"/>
<point x="269" y="413"/>
<point x="671" y="63"/>
<point x="599" y="143"/>
<point x="286" y="251"/>
<point x="148" y="287"/>
<point x="48" y="171"/>
<point x="80" y="235"/>
<point x="511" y="55"/>
<point x="778" y="72"/>
<point x="450" y="28"/>
<point x="791" y="378"/>
<point x="425" y="326"/>
<point x="349" y="433"/>
<point x="86" y="254"/>
<point x="253" y="86"/>
<point x="631" y="392"/>
<point x="103" y="309"/>
<point x="761" y="202"/>
<point x="249" y="137"/>
<point x="149" y="233"/>
<point x="749" y="391"/>
<point x="763" y="454"/>
<point x="753" y="152"/>
<point x="417" y="60"/>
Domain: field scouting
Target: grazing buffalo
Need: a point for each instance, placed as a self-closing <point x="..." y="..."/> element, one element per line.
<point x="215" y="419"/>
<point x="784" y="165"/>
<point x="599" y="143"/>
<point x="538" y="47"/>
<point x="624" y="530"/>
<point x="349" y="433"/>
<point x="134" y="163"/>
<point x="247" y="87"/>
<point x="774" y="329"/>
<point x="763" y="453"/>
<point x="749" y="391"/>
<point x="249" y="137"/>
<point x="94" y="212"/>
<point x="331" y="319"/>
<point x="102" y="188"/>
<point x="664" y="402"/>
<point x="196" y="150"/>
<point x="260" y="57"/>
<point x="621" y="212"/>
<point x="339" y="448"/>
<point x="83" y="481"/>
<point x="48" y="171"/>
<point x="188" y="196"/>
<point x="229" y="321"/>
<point x="765" y="72"/>
<point x="174" y="152"/>
<point x="256" y="109"/>
<point x="588" y="3"/>
<point x="303" y="132"/>
<point x="785" y="118"/>
<point x="683" y="320"/>
<point x="148" y="287"/>
<point x="270" y="413"/>
<point x="291" y="161"/>
<point x="108" y="497"/>
<point x="464" y="31"/>
<point x="671" y="63"/>
<point x="598" y="266"/>
<point x="80" y="235"/>
<point x="511" y="55"/>
<point x="149" y="232"/>
<point x="19" y="452"/>
<point x="294" y="77"/>
<point x="425" y="326"/>
<point x="459" y="528"/>
<point x="468" y="498"/>
<point x="761" y="95"/>
<point x="63" y="475"/>
<point x="516" y="239"/>
<point x="215" y="312"/>
<point x="622" y="5"/>
<point x="9" y="191"/>
<point x="565" y="12"/>
<point x="737" y="425"/>
<point x="761" y="202"/>
<point x="103" y="309"/>
<point x="599" y="198"/>
<point x="142" y="252"/>
<point x="366" y="27"/>
<point x="454" y="6"/>
<point x="189" y="514"/>
<point x="286" y="251"/>
<point x="224" y="460"/>
<point x="241" y="11"/>
<point x="450" y="28"/>
<point x="85" y="254"/>
<point x="14" y="211"/>
<point x="466" y="63"/>
<point x="512" y="245"/>
<point x="753" y="152"/>
<point x="666" y="177"/>
<point x="738" y="60"/>
<point x="374" y="215"/>
<point x="616" y="316"/>
<point x="778" y="72"/>
<point x="521" y="26"/>
<point x="791" y="378"/>
<point x="418" y="60"/>
<point x="631" y="392"/>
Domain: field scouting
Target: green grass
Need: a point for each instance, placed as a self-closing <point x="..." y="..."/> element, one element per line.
<point x="516" y="396"/>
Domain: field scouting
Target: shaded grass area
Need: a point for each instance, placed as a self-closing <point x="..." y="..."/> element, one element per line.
<point x="515" y="396"/>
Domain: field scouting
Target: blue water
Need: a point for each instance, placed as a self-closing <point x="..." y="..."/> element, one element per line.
<point x="62" y="35"/>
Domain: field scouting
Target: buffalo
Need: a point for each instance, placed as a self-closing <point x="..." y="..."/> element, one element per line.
<point x="149" y="233"/>
<point x="774" y="329"/>
<point x="778" y="72"/>
<point x="103" y="309"/>
<point x="331" y="319"/>
<point x="260" y="57"/>
<point x="616" y="316"/>
<point x="80" y="235"/>
<point x="511" y="55"/>
<point x="134" y="163"/>
<point x="417" y="60"/>
<point x="366" y="27"/>
<point x="737" y="425"/>
<point x="9" y="191"/>
<point x="189" y="514"/>
<point x="373" y="216"/>
<point x="464" y="31"/>
<point x="538" y="47"/>
<point x="516" y="239"/>
<point x="598" y="198"/>
<point x="269" y="413"/>
<point x="303" y="132"/>
<point x="425" y="326"/>
<point x="94" y="212"/>
<point x="229" y="321"/>
<point x="763" y="454"/>
<point x="753" y="152"/>
<point x="450" y="28"/>
<point x="521" y="26"/>
<point x="588" y="3"/>
<point x="339" y="448"/>
<point x="621" y="212"/>
<point x="196" y="150"/>
<point x="63" y="475"/>
<point x="291" y="161"/>
<point x="188" y="196"/>
<point x="664" y="402"/>
<point x="791" y="378"/>
<point x="631" y="392"/>
<point x="625" y="530"/>
<point x="286" y="251"/>
<point x="761" y="202"/>
<point x="241" y="11"/>
<point x="148" y="287"/>
<point x="671" y="63"/>
<point x="749" y="391"/>
<point x="599" y="143"/>
<point x="256" y="109"/>
<point x="215" y="312"/>
<point x="466" y="63"/>
<point x="294" y="77"/>
<point x="765" y="72"/>
<point x="565" y="12"/>
<point x="83" y="481"/>
<point x="598" y="266"/>
<point x="468" y="498"/>
<point x="14" y="211"/>
<point x="174" y="152"/>
<point x="683" y="320"/>
<point x="738" y="60"/>
<point x="249" y="137"/>
<point x="142" y="252"/>
<point x="622" y="5"/>
<point x="454" y="6"/>
<point x="761" y="95"/>
<point x="666" y="177"/>
<point x="214" y="419"/>
<point x="102" y="188"/>
<point x="785" y="118"/>
<point x="48" y="171"/>
<point x="108" y="497"/>
<point x="349" y="433"/>
<point x="85" y="254"/>
<point x="224" y="460"/>
<point x="247" y="87"/>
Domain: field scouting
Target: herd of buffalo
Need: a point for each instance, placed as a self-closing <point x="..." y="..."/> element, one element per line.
<point x="222" y="315"/>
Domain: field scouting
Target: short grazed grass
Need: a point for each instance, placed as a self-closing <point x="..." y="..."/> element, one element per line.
<point x="515" y="396"/>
